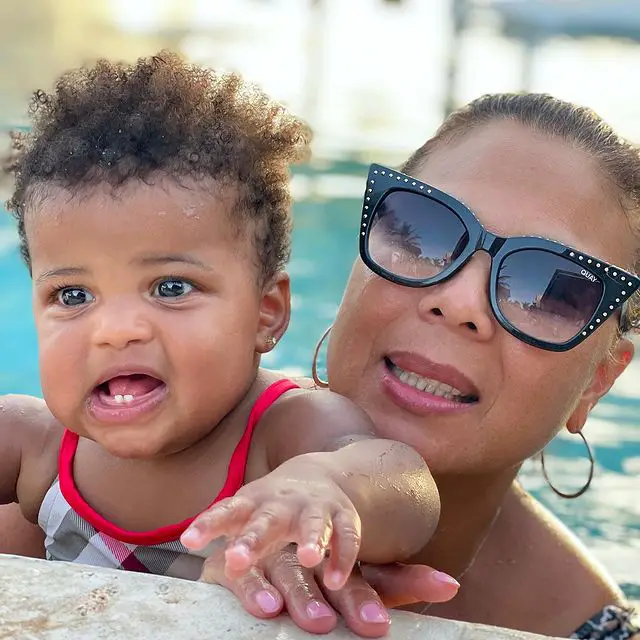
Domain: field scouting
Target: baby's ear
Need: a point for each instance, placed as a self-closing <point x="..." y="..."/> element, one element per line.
<point x="275" y="311"/>
<point x="606" y="373"/>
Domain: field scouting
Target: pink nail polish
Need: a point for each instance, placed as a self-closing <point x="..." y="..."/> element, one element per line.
<point x="267" y="601"/>
<point x="373" y="612"/>
<point x="445" y="578"/>
<point x="317" y="610"/>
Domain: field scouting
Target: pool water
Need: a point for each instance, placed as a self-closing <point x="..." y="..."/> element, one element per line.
<point x="606" y="519"/>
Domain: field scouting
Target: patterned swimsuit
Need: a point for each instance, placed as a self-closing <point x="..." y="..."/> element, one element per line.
<point x="612" y="623"/>
<point x="75" y="532"/>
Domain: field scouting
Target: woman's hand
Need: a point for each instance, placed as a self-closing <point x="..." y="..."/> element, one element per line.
<point x="282" y="583"/>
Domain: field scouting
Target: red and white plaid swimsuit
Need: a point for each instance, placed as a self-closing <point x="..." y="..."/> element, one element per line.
<point x="75" y="532"/>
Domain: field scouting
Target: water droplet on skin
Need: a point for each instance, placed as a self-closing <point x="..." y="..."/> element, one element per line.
<point x="190" y="212"/>
<point x="162" y="213"/>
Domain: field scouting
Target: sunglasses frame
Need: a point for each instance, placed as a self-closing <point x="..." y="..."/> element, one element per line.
<point x="618" y="285"/>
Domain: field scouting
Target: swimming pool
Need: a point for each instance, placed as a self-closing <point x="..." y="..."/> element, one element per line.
<point x="606" y="519"/>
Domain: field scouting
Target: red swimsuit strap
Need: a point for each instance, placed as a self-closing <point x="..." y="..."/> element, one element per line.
<point x="170" y="533"/>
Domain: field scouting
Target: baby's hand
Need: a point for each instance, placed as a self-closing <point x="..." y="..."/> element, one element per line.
<point x="276" y="510"/>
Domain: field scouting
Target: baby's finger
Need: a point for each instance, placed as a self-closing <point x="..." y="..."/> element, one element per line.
<point x="315" y="529"/>
<point x="345" y="546"/>
<point x="226" y="518"/>
<point x="268" y="530"/>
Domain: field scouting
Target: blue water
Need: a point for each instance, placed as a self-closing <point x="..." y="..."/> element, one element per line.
<point x="606" y="519"/>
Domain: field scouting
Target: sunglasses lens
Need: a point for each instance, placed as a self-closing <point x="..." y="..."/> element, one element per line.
<point x="415" y="237"/>
<point x="547" y="296"/>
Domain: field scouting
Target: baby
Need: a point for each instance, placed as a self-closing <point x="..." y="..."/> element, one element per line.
<point x="153" y="211"/>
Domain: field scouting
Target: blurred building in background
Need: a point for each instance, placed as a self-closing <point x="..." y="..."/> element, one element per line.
<point x="373" y="77"/>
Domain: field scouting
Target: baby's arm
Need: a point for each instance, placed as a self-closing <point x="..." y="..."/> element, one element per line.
<point x="331" y="479"/>
<point x="29" y="441"/>
<point x="388" y="482"/>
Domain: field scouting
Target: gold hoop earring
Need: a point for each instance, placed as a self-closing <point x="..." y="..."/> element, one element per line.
<point x="577" y="494"/>
<point x="323" y="384"/>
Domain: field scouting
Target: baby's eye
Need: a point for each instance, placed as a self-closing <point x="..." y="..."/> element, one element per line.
<point x="73" y="297"/>
<point x="173" y="288"/>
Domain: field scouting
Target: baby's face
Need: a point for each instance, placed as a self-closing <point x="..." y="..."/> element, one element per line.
<point x="149" y="313"/>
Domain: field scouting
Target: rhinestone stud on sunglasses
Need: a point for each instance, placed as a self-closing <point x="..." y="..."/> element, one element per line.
<point x="542" y="292"/>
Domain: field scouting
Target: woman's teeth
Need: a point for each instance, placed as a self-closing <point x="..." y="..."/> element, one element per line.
<point x="434" y="387"/>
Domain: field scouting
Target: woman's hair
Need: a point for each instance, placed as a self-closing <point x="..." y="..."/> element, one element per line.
<point x="115" y="123"/>
<point x="578" y="126"/>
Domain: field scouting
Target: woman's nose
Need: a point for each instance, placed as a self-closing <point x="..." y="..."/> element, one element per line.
<point x="462" y="302"/>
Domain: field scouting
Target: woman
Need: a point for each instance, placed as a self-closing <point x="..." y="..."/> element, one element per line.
<point x="477" y="351"/>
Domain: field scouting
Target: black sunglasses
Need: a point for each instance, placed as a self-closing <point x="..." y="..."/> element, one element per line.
<point x="542" y="292"/>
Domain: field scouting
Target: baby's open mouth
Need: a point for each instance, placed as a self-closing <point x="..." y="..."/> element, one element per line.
<point x="128" y="389"/>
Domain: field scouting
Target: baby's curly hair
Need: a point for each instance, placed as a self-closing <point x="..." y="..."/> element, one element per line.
<point x="114" y="123"/>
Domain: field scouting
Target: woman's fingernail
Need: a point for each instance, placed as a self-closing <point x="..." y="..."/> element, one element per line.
<point x="445" y="578"/>
<point x="267" y="601"/>
<point x="317" y="609"/>
<point x="373" y="612"/>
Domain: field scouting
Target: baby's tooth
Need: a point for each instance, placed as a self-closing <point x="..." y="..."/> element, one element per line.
<point x="128" y="398"/>
<point x="118" y="398"/>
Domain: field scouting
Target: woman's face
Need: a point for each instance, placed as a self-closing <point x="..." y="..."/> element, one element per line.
<point x="518" y="183"/>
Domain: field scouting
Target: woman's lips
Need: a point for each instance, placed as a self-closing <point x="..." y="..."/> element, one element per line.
<point x="425" y="387"/>
<point x="425" y="368"/>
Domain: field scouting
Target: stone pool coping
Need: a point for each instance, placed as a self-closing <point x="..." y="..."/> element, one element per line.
<point x="55" y="601"/>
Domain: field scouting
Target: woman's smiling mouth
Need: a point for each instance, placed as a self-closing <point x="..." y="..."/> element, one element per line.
<point x="426" y="387"/>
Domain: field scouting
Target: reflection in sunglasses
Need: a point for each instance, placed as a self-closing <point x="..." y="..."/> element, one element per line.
<point x="543" y="292"/>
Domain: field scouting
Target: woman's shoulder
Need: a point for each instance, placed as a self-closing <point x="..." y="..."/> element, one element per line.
<point x="560" y="569"/>
<point x="549" y="539"/>
<point x="554" y="583"/>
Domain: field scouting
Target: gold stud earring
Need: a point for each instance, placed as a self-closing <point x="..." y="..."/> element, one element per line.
<point x="271" y="341"/>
